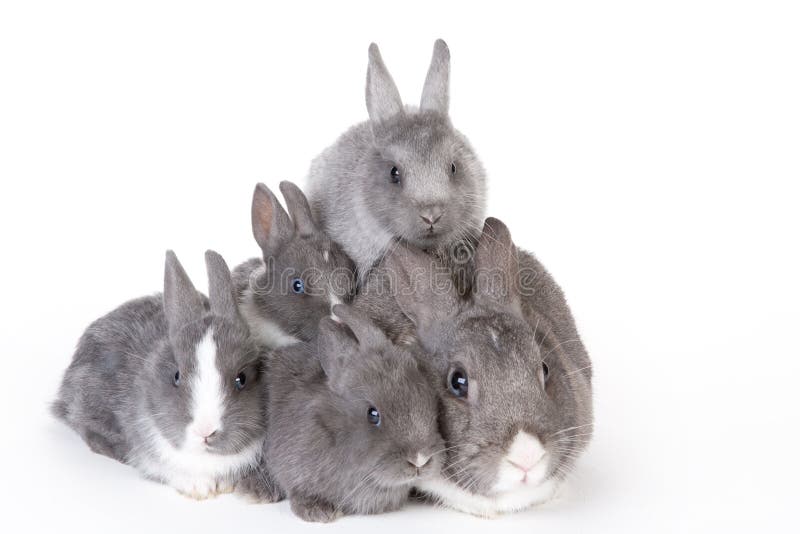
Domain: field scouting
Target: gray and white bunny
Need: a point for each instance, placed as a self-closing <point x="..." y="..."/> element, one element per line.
<point x="406" y="173"/>
<point x="301" y="275"/>
<point x="514" y="375"/>
<point x="353" y="421"/>
<point x="172" y="385"/>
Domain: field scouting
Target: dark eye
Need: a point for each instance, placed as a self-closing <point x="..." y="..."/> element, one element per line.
<point x="374" y="416"/>
<point x="458" y="383"/>
<point x="545" y="371"/>
<point x="394" y="175"/>
<point x="298" y="286"/>
<point x="241" y="380"/>
<point x="176" y="379"/>
<point x="452" y="168"/>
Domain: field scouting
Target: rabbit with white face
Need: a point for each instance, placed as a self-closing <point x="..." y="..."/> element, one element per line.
<point x="300" y="276"/>
<point x="406" y="173"/>
<point x="353" y="421"/>
<point x="516" y="396"/>
<point x="172" y="385"/>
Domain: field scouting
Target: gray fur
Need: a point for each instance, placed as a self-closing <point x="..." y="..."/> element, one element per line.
<point x="349" y="183"/>
<point x="321" y="448"/>
<point x="516" y="318"/>
<point x="291" y="248"/>
<point x="118" y="393"/>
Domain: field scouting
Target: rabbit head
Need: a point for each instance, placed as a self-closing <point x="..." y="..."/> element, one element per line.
<point x="511" y="415"/>
<point x="207" y="391"/>
<point x="384" y="397"/>
<point x="428" y="184"/>
<point x="305" y="273"/>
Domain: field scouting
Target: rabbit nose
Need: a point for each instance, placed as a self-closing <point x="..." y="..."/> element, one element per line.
<point x="205" y="431"/>
<point x="419" y="460"/>
<point x="432" y="216"/>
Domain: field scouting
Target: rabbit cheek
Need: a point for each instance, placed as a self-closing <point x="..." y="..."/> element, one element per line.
<point x="207" y="404"/>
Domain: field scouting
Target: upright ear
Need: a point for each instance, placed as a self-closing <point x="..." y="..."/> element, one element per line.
<point x="336" y="346"/>
<point x="221" y="292"/>
<point x="436" y="92"/>
<point x="383" y="98"/>
<point x="299" y="210"/>
<point x="496" y="266"/>
<point x="422" y="287"/>
<point x="272" y="227"/>
<point x="367" y="334"/>
<point x="183" y="305"/>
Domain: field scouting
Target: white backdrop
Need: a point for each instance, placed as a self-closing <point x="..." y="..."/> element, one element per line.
<point x="649" y="155"/>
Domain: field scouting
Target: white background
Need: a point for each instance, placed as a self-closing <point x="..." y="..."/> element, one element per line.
<point x="648" y="154"/>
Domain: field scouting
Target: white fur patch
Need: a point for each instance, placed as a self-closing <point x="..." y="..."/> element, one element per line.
<point x="264" y="331"/>
<point x="521" y="482"/>
<point x="207" y="394"/>
<point x="454" y="496"/>
<point x="194" y="472"/>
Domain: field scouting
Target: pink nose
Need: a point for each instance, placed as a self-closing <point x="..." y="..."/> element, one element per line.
<point x="527" y="461"/>
<point x="205" y="431"/>
<point x="431" y="217"/>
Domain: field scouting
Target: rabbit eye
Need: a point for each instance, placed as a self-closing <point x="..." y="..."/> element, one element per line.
<point x="374" y="416"/>
<point x="176" y="378"/>
<point x="241" y="380"/>
<point x="458" y="383"/>
<point x="298" y="286"/>
<point x="545" y="371"/>
<point x="452" y="168"/>
<point x="394" y="175"/>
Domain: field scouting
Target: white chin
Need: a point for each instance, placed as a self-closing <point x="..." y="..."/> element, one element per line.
<point x="520" y="497"/>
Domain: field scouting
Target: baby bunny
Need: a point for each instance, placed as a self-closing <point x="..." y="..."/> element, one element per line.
<point x="171" y="385"/>
<point x="517" y="405"/>
<point x="406" y="173"/>
<point x="353" y="421"/>
<point x="303" y="273"/>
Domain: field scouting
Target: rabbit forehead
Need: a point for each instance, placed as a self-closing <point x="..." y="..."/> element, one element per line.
<point x="419" y="149"/>
<point x="233" y="344"/>
<point x="498" y="351"/>
<point x="420" y="129"/>
<point x="313" y="256"/>
<point x="185" y="338"/>
<point x="393" y="381"/>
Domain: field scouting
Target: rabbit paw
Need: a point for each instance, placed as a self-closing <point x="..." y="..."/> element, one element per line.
<point x="259" y="487"/>
<point x="224" y="486"/>
<point x="314" y="510"/>
<point x="198" y="491"/>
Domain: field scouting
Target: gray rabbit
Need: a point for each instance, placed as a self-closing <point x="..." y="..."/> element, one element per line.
<point x="172" y="385"/>
<point x="514" y="375"/>
<point x="353" y="421"/>
<point x="406" y="173"/>
<point x="301" y="275"/>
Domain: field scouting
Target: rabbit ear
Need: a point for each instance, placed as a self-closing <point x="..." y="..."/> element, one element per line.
<point x="183" y="305"/>
<point x="335" y="346"/>
<point x="298" y="207"/>
<point x="221" y="293"/>
<point x="383" y="98"/>
<point x="496" y="265"/>
<point x="272" y="227"/>
<point x="436" y="92"/>
<point x="367" y="334"/>
<point x="423" y="288"/>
